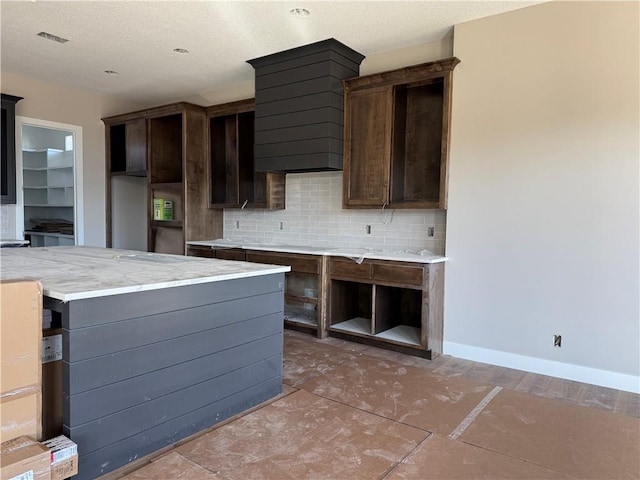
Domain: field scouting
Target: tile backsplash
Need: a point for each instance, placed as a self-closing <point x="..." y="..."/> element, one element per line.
<point x="314" y="216"/>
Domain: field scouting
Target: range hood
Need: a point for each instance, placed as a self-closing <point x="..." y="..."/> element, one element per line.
<point x="299" y="107"/>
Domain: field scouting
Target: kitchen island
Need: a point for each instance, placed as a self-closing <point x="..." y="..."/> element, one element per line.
<point x="155" y="347"/>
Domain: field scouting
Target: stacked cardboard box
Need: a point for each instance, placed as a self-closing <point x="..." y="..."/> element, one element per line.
<point x="24" y="458"/>
<point x="20" y="367"/>
<point x="64" y="457"/>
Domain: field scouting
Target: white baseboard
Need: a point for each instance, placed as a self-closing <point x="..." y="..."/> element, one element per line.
<point x="594" y="376"/>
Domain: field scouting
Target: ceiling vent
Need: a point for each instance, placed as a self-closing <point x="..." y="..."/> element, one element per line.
<point x="299" y="107"/>
<point x="50" y="36"/>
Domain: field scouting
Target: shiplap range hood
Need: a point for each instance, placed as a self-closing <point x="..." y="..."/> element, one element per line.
<point x="299" y="107"/>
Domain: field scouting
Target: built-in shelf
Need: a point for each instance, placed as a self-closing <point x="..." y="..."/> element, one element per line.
<point x="300" y="314"/>
<point x="49" y="205"/>
<point x="166" y="185"/>
<point x="40" y="169"/>
<point x="132" y="173"/>
<point x="48" y="186"/>
<point x="49" y="234"/>
<point x="402" y="334"/>
<point x="45" y="239"/>
<point x="166" y="223"/>
<point x="355" y="325"/>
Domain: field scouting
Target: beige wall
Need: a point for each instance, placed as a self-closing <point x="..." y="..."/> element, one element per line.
<point x="380" y="62"/>
<point x="543" y="219"/>
<point x="55" y="103"/>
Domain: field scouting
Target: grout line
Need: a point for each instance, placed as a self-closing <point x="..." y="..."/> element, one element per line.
<point x="428" y="432"/>
<point x="524" y="460"/>
<point x="395" y="465"/>
<point x="464" y="424"/>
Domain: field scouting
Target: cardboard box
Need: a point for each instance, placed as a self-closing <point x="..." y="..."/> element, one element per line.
<point x="23" y="458"/>
<point x="52" y="382"/>
<point x="20" y="365"/>
<point x="64" y="457"/>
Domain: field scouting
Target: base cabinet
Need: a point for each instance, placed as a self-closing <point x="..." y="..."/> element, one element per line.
<point x="237" y="254"/>
<point x="387" y="304"/>
<point x="393" y="305"/>
<point x="304" y="292"/>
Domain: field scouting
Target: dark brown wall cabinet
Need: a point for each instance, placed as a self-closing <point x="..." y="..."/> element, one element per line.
<point x="169" y="144"/>
<point x="299" y="106"/>
<point x="128" y="147"/>
<point x="8" y="127"/>
<point x="397" y="137"/>
<point x="233" y="181"/>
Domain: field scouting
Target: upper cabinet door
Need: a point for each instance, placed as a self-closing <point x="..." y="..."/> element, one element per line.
<point x="136" y="145"/>
<point x="7" y="126"/>
<point x="367" y="147"/>
<point x="397" y="137"/>
<point x="127" y="147"/>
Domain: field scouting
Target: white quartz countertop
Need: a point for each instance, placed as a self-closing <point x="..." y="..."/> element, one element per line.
<point x="72" y="273"/>
<point x="12" y="242"/>
<point x="357" y="254"/>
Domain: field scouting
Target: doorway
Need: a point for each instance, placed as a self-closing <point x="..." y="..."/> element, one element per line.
<point x="49" y="170"/>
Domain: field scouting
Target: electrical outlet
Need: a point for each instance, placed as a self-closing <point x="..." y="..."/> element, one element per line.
<point x="557" y="341"/>
<point x="368" y="229"/>
<point x="431" y="231"/>
<point x="237" y="223"/>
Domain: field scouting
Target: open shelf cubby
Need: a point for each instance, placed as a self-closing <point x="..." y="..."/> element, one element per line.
<point x="398" y="314"/>
<point x="301" y="298"/>
<point x="351" y="306"/>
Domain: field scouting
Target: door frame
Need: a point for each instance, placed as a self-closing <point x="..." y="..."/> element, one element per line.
<point x="78" y="203"/>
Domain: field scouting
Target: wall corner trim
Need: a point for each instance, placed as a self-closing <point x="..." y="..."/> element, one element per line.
<point x="594" y="376"/>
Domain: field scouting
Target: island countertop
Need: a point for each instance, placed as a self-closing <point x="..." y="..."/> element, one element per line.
<point x="73" y="272"/>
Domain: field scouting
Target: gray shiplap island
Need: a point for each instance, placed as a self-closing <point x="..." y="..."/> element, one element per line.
<point x="155" y="347"/>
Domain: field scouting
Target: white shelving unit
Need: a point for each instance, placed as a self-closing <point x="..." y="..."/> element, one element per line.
<point x="48" y="187"/>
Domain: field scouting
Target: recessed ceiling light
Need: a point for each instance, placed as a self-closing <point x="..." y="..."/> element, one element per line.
<point x="50" y="36"/>
<point x="299" y="12"/>
<point x="181" y="51"/>
<point x="111" y="72"/>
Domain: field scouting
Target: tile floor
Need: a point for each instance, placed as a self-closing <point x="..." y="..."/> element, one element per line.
<point x="349" y="411"/>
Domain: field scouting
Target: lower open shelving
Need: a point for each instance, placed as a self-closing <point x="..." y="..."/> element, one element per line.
<point x="388" y="304"/>
<point x="398" y="334"/>
<point x="355" y="325"/>
<point x="298" y="314"/>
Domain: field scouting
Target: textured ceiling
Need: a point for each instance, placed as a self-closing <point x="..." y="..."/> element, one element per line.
<point x="137" y="39"/>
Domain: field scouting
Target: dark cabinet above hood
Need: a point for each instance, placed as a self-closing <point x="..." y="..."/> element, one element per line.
<point x="299" y="107"/>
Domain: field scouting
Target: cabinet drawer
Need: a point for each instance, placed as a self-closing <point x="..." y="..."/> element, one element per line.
<point x="397" y="274"/>
<point x="231" y="254"/>
<point x="298" y="263"/>
<point x="349" y="268"/>
<point x="200" y="251"/>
